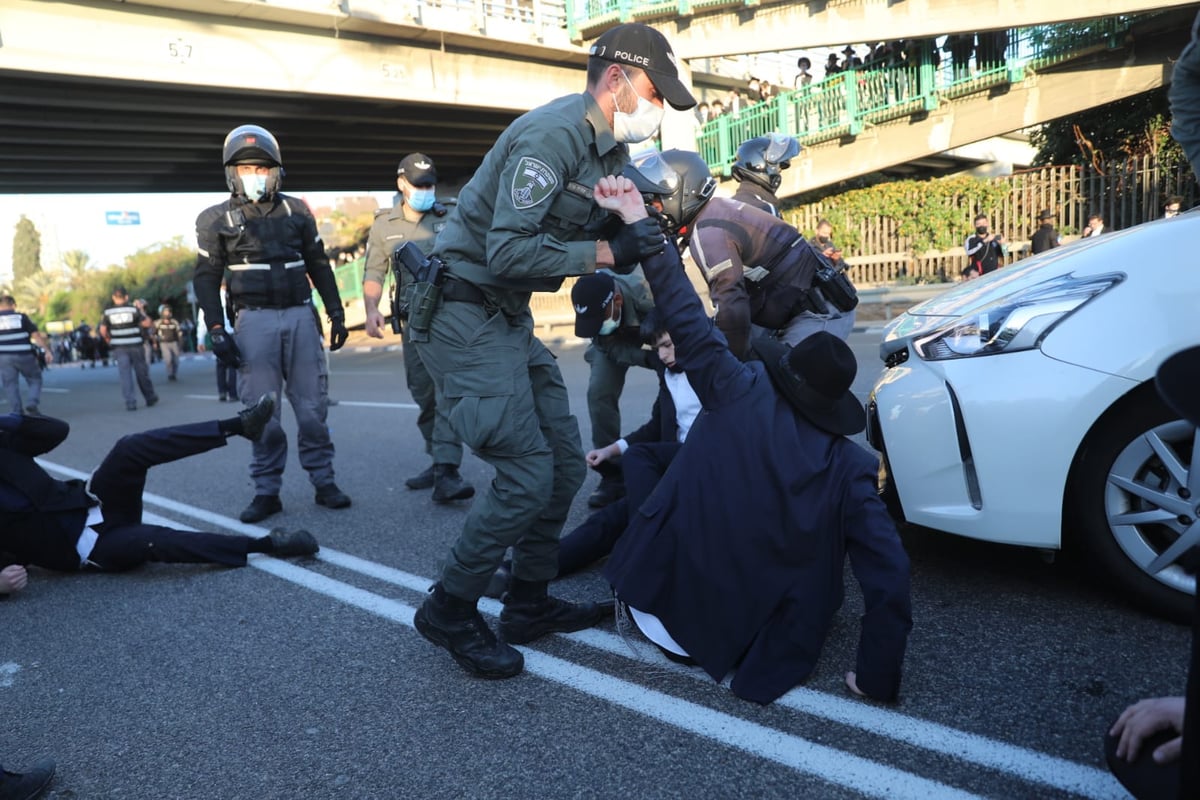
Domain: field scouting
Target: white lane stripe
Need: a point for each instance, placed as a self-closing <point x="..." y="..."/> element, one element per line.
<point x="1023" y="763"/>
<point x="358" y="403"/>
<point x="54" y="390"/>
<point x="825" y="763"/>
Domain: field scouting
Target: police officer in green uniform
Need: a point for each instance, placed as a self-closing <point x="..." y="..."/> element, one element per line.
<point x="418" y="217"/>
<point x="609" y="310"/>
<point x="525" y="221"/>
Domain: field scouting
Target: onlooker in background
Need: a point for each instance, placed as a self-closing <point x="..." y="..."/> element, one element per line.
<point x="609" y="310"/>
<point x="170" y="334"/>
<point x="804" y="76"/>
<point x="990" y="50"/>
<point x="1045" y="237"/>
<point x="984" y="249"/>
<point x="960" y="46"/>
<point x="123" y="328"/>
<point x="703" y="114"/>
<point x="832" y="67"/>
<point x="1095" y="226"/>
<point x="851" y="61"/>
<point x="824" y="242"/>
<point x="17" y="360"/>
<point x="1171" y="207"/>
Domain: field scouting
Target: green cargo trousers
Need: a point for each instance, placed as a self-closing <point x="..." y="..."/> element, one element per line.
<point x="605" y="384"/>
<point x="440" y="442"/>
<point x="506" y="400"/>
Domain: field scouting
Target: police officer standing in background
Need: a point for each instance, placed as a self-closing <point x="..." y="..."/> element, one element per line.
<point x="123" y="328"/>
<point x="17" y="358"/>
<point x="269" y="243"/>
<point x="418" y="217"/>
<point x="757" y="169"/>
<point x="523" y="222"/>
<point x="169" y="335"/>
<point x="609" y="310"/>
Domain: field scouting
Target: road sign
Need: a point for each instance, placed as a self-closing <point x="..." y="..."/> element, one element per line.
<point x="123" y="217"/>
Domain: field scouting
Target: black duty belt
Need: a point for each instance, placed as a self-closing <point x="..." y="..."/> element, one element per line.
<point x="461" y="291"/>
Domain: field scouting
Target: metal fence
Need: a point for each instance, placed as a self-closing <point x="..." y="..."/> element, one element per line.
<point x="1123" y="193"/>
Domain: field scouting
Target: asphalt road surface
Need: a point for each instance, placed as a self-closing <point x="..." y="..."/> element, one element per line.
<point x="307" y="680"/>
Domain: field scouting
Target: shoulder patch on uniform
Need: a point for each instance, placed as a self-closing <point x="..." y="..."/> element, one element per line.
<point x="532" y="182"/>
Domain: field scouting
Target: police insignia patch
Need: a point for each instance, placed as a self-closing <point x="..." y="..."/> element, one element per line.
<point x="532" y="183"/>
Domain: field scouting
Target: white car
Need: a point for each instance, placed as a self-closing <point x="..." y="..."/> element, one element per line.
<point x="1021" y="408"/>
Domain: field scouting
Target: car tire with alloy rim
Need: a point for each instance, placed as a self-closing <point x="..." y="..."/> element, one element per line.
<point x="1134" y="492"/>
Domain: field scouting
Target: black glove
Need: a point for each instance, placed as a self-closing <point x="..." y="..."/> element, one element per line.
<point x="634" y="242"/>
<point x="337" y="333"/>
<point x="225" y="348"/>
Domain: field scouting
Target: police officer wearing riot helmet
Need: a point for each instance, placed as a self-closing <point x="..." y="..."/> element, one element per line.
<point x="760" y="270"/>
<point x="122" y="329"/>
<point x="169" y="337"/>
<point x="418" y="217"/>
<point x="758" y="166"/>
<point x="269" y="243"/>
<point x="525" y="221"/>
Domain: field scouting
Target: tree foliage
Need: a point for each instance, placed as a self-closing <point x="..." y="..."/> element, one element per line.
<point x="1135" y="126"/>
<point x="26" y="249"/>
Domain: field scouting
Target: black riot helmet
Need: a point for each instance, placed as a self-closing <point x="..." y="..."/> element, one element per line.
<point x="692" y="188"/>
<point x="252" y="144"/>
<point x="761" y="159"/>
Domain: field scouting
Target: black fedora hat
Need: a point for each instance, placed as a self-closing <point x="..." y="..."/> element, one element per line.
<point x="1177" y="384"/>
<point x="815" y="376"/>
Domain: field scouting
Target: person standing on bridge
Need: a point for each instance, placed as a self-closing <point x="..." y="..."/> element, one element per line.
<point x="418" y="217"/>
<point x="269" y="243"/>
<point x="17" y="332"/>
<point x="525" y="221"/>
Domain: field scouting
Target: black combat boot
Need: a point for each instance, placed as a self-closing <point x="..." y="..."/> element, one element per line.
<point x="422" y="481"/>
<point x="448" y="485"/>
<point x="530" y="613"/>
<point x="456" y="625"/>
<point x="610" y="490"/>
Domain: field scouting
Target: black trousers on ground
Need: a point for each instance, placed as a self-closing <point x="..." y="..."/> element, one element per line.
<point x="124" y="541"/>
<point x="644" y="465"/>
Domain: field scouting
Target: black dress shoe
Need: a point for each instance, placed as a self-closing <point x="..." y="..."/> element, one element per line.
<point x="292" y="543"/>
<point x="448" y="485"/>
<point x="609" y="491"/>
<point x="26" y="785"/>
<point x="255" y="418"/>
<point x="456" y="625"/>
<point x="423" y="481"/>
<point x="331" y="496"/>
<point x="523" y="621"/>
<point x="261" y="507"/>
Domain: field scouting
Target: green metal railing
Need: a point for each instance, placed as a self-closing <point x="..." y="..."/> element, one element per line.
<point x="841" y="104"/>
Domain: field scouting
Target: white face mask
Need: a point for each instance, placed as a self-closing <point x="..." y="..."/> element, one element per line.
<point x="640" y="124"/>
<point x="609" y="325"/>
<point x="255" y="186"/>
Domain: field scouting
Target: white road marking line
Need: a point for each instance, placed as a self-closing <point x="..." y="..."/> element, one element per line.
<point x="1022" y="763"/>
<point x="7" y="671"/>
<point x="54" y="390"/>
<point x="364" y="404"/>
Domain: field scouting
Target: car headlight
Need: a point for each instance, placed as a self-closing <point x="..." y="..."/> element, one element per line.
<point x="1017" y="322"/>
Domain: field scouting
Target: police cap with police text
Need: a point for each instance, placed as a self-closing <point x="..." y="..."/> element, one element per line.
<point x="591" y="296"/>
<point x="641" y="46"/>
<point x="418" y="169"/>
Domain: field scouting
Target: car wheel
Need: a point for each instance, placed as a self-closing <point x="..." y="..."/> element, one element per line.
<point x="1134" y="495"/>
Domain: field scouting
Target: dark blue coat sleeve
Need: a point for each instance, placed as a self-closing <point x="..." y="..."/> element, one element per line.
<point x="31" y="436"/>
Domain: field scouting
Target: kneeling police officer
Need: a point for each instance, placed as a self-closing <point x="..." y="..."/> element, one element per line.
<point x="269" y="243"/>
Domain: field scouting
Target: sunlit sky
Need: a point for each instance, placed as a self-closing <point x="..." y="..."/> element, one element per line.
<point x="79" y="222"/>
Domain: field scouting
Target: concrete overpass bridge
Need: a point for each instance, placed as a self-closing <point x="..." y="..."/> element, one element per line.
<point x="107" y="96"/>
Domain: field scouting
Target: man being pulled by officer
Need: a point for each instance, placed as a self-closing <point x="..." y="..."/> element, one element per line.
<point x="122" y="328"/>
<point x="760" y="271"/>
<point x="757" y="170"/>
<point x="526" y="220"/>
<point x="418" y="217"/>
<point x="269" y="243"/>
<point x="609" y="310"/>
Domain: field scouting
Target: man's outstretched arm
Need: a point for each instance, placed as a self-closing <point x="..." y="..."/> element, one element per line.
<point x="31" y="436"/>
